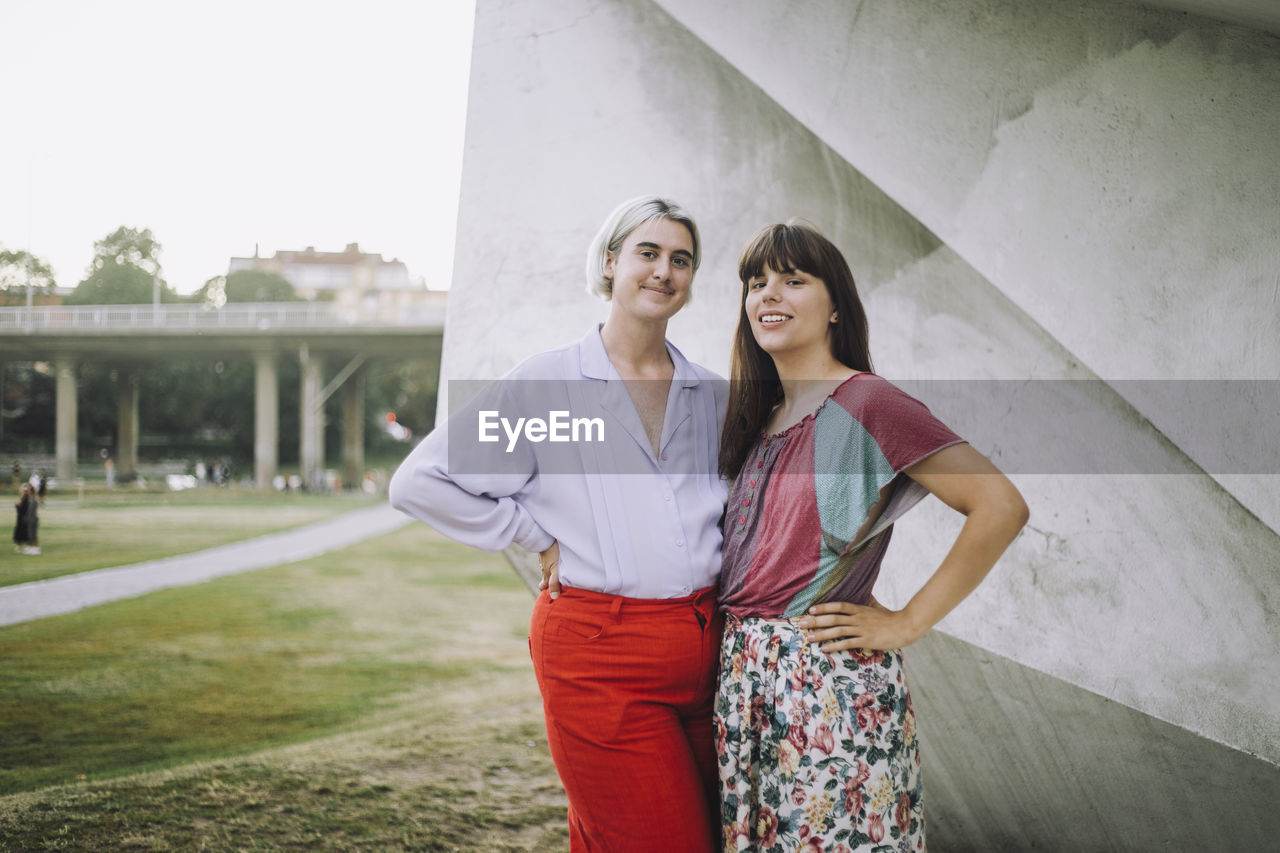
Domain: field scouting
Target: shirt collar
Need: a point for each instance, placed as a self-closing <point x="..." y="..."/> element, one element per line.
<point x="595" y="361"/>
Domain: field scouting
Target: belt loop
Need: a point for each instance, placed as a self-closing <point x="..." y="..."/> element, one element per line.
<point x="616" y="607"/>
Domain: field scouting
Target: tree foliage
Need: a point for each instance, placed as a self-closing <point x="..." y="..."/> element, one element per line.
<point x="127" y="246"/>
<point x="124" y="271"/>
<point x="20" y="270"/>
<point x="27" y="398"/>
<point x="116" y="284"/>
<point x="246" y="286"/>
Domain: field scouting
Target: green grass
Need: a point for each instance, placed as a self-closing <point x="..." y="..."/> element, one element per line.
<point x="115" y="528"/>
<point x="377" y="698"/>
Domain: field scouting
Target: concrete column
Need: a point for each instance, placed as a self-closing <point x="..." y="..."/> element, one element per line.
<point x="311" y="440"/>
<point x="266" y="419"/>
<point x="127" y="424"/>
<point x="65" y="417"/>
<point x="353" y="430"/>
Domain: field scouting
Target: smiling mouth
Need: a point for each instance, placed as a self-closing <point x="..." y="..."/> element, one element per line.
<point x="773" y="319"/>
<point x="664" y="291"/>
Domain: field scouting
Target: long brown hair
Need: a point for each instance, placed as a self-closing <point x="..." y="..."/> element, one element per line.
<point x="754" y="386"/>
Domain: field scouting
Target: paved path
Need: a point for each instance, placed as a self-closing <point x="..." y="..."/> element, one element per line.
<point x="64" y="594"/>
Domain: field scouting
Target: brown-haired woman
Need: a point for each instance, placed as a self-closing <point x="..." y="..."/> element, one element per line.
<point x="815" y="733"/>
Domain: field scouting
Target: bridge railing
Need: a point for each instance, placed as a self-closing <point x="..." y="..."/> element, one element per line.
<point x="236" y="316"/>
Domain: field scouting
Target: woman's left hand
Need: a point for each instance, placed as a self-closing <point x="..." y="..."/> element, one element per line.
<point x="839" y="626"/>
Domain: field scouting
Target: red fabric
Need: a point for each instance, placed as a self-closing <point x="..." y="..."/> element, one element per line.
<point x="792" y="536"/>
<point x="627" y="687"/>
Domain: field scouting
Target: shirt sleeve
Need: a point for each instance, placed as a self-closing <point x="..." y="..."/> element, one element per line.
<point x="470" y="493"/>
<point x="902" y="427"/>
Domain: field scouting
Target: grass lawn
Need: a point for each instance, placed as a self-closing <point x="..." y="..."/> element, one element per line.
<point x="375" y="698"/>
<point x="115" y="528"/>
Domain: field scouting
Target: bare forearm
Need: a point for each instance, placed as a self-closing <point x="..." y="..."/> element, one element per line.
<point x="986" y="533"/>
<point x="994" y="513"/>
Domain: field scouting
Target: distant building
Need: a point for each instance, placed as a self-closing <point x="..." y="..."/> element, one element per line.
<point x="326" y="275"/>
<point x="16" y="297"/>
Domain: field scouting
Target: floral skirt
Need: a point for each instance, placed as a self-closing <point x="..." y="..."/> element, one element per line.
<point x="817" y="751"/>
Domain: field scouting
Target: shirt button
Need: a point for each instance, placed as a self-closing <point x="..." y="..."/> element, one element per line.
<point x="666" y="497"/>
<point x="665" y="457"/>
<point x="747" y="502"/>
<point x="679" y="543"/>
<point x="752" y="484"/>
<point x="760" y="464"/>
<point x="742" y="519"/>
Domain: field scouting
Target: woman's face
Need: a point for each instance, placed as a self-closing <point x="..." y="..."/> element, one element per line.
<point x="790" y="312"/>
<point x="653" y="271"/>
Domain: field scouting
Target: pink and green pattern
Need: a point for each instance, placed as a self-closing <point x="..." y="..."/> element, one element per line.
<point x="803" y="495"/>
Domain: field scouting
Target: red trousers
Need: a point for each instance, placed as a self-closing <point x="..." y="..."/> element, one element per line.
<point x="628" y="686"/>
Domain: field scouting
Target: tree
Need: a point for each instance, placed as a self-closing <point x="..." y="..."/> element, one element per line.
<point x="114" y="284"/>
<point x="125" y="270"/>
<point x="259" y="286"/>
<point x="128" y="246"/>
<point x="246" y="286"/>
<point x="22" y="272"/>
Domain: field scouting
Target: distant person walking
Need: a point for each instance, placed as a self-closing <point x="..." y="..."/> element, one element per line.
<point x="38" y="485"/>
<point x="26" y="538"/>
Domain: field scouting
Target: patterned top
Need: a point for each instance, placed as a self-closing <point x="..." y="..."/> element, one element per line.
<point x="804" y="493"/>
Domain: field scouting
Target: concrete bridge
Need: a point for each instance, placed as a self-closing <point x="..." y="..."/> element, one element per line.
<point x="332" y="342"/>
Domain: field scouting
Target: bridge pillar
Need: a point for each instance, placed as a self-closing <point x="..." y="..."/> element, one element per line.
<point x="65" y="417"/>
<point x="127" y="424"/>
<point x="311" y="440"/>
<point x="266" y="419"/>
<point x="353" y="430"/>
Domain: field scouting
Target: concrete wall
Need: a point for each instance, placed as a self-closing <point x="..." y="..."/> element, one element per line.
<point x="1026" y="190"/>
<point x="1112" y="171"/>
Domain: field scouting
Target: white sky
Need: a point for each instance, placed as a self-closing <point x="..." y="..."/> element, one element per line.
<point x="223" y="125"/>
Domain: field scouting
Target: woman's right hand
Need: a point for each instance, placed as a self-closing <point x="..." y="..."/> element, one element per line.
<point x="549" y="562"/>
<point x="840" y="625"/>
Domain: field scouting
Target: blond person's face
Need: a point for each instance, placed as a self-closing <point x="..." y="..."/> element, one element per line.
<point x="653" y="271"/>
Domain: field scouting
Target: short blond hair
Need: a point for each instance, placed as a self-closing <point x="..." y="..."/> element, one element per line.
<point x="624" y="219"/>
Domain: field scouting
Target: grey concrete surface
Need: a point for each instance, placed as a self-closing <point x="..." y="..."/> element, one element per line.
<point x="873" y="137"/>
<point x="1108" y="172"/>
<point x="1016" y="760"/>
<point x="1026" y="189"/>
<point x="68" y="593"/>
<point x="1110" y="168"/>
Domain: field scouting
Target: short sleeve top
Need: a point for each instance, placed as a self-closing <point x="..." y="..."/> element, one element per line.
<point x="803" y="495"/>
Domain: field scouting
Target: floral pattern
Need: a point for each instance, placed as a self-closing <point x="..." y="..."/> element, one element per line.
<point x="817" y="751"/>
